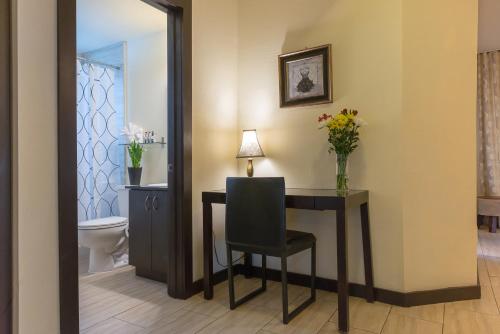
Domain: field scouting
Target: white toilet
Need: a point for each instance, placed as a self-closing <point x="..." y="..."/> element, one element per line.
<point x="105" y="237"/>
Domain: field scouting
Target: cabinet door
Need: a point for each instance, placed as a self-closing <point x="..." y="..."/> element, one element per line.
<point x="159" y="223"/>
<point x="140" y="204"/>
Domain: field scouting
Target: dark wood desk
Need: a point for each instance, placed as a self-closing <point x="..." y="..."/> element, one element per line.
<point x="307" y="199"/>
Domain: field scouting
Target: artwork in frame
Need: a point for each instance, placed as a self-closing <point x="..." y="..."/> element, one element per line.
<point x="305" y="77"/>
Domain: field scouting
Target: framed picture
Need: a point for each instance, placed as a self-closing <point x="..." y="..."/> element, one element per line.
<point x="305" y="77"/>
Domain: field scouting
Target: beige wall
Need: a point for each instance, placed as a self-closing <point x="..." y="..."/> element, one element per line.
<point x="35" y="172"/>
<point x="439" y="140"/>
<point x="366" y="40"/>
<point x="235" y="87"/>
<point x="215" y="43"/>
<point x="396" y="62"/>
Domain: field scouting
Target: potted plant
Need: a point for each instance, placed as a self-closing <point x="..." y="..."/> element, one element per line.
<point x="343" y="136"/>
<point x="135" y="150"/>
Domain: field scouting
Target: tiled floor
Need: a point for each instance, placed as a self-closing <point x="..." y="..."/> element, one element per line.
<point x="121" y="303"/>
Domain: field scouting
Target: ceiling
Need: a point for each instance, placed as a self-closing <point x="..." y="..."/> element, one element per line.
<point x="489" y="25"/>
<point x="102" y="23"/>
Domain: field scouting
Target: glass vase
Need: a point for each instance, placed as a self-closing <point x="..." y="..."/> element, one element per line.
<point x="342" y="179"/>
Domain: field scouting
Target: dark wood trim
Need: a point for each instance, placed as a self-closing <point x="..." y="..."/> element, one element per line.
<point x="179" y="114"/>
<point x="179" y="32"/>
<point x="67" y="166"/>
<point x="5" y="168"/>
<point x="218" y="277"/>
<point x="403" y="299"/>
<point x="358" y="290"/>
<point x="179" y="150"/>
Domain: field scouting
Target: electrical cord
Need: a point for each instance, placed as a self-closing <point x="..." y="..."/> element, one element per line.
<point x="217" y="255"/>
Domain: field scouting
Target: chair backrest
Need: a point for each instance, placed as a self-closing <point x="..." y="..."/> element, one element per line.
<point x="255" y="211"/>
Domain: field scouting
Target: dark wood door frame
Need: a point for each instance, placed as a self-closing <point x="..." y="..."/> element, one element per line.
<point x="5" y="169"/>
<point x="180" y="279"/>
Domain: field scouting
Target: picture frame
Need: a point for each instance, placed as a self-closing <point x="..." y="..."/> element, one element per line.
<point x="305" y="77"/>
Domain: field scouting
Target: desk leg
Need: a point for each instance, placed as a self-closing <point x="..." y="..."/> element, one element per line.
<point x="208" y="283"/>
<point x="367" y="252"/>
<point x="342" y="271"/>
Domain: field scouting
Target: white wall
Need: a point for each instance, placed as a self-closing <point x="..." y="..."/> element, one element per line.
<point x="146" y="72"/>
<point x="36" y="285"/>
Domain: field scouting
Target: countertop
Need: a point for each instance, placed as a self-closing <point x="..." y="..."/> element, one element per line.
<point x="158" y="187"/>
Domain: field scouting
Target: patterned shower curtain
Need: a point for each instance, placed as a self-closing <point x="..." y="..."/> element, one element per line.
<point x="101" y="160"/>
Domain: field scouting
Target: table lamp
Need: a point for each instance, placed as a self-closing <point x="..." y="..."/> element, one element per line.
<point x="250" y="148"/>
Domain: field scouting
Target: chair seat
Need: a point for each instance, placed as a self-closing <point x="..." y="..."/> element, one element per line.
<point x="292" y="236"/>
<point x="297" y="241"/>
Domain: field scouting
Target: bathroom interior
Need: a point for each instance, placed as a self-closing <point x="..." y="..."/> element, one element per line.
<point x="122" y="109"/>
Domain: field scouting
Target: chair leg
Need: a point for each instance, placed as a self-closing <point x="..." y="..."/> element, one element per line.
<point x="287" y="317"/>
<point x="264" y="272"/>
<point x="313" y="272"/>
<point x="233" y="303"/>
<point x="284" y="288"/>
<point x="230" y="278"/>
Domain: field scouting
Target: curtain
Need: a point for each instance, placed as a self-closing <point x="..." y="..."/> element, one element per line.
<point x="488" y="123"/>
<point x="101" y="160"/>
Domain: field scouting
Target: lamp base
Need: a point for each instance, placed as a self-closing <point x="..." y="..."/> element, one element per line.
<point x="250" y="168"/>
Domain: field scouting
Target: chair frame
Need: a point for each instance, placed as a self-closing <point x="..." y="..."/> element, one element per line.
<point x="287" y="317"/>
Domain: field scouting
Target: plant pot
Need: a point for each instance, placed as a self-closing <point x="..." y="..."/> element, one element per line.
<point x="134" y="175"/>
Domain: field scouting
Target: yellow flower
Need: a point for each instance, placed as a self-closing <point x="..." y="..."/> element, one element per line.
<point x="332" y="123"/>
<point x="342" y="120"/>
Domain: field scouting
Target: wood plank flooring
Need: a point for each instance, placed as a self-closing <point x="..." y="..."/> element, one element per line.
<point x="119" y="302"/>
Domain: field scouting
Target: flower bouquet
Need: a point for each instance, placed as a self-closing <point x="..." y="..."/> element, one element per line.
<point x="343" y="136"/>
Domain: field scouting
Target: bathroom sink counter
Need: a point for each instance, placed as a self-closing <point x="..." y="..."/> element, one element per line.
<point x="157" y="187"/>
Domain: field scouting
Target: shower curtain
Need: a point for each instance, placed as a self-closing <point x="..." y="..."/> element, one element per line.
<point x="101" y="160"/>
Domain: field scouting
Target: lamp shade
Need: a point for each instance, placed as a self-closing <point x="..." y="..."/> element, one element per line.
<point x="250" y="147"/>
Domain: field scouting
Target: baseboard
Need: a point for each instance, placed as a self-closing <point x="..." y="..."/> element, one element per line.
<point x="219" y="277"/>
<point x="404" y="299"/>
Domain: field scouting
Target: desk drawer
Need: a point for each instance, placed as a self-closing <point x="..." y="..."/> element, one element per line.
<point x="300" y="202"/>
<point x="328" y="203"/>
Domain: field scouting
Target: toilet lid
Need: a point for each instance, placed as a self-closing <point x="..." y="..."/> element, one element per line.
<point x="108" y="222"/>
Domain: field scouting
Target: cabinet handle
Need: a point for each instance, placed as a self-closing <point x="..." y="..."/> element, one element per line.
<point x="155" y="203"/>
<point x="146" y="206"/>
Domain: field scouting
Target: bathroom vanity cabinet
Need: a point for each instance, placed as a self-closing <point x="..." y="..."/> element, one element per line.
<point x="148" y="228"/>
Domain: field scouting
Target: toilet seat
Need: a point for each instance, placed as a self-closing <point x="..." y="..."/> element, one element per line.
<point x="102" y="223"/>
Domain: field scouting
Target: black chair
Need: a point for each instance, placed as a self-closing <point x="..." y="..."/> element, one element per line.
<point x="256" y="224"/>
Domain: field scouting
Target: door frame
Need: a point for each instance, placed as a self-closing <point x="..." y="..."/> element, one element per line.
<point x="6" y="253"/>
<point x="180" y="270"/>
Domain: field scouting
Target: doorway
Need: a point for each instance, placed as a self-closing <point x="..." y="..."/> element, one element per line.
<point x="5" y="170"/>
<point x="178" y="142"/>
